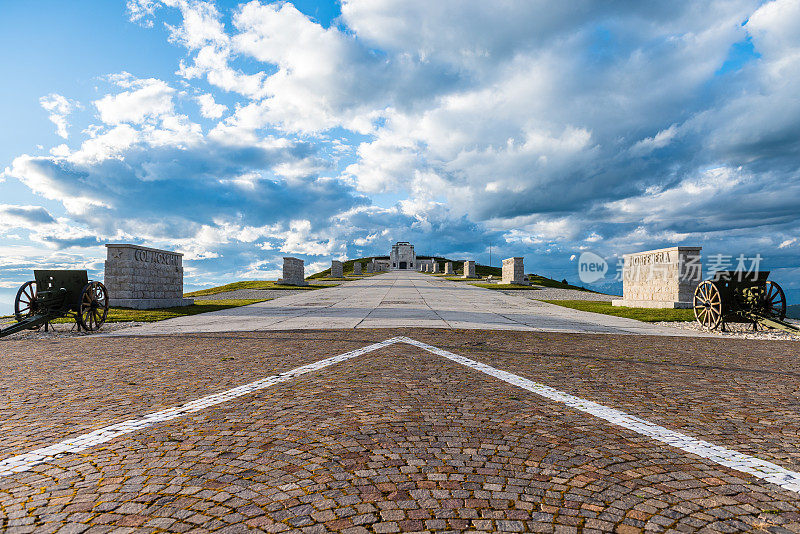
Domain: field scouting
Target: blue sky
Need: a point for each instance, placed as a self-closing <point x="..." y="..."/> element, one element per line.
<point x="241" y="132"/>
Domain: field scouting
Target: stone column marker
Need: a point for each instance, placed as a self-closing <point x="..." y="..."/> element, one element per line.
<point x="336" y="269"/>
<point x="293" y="272"/>
<point x="661" y="278"/>
<point x="143" y="278"/>
<point x="469" y="269"/>
<point x="357" y="268"/>
<point x="514" y="271"/>
<point x="436" y="267"/>
<point x="448" y="267"/>
<point x="370" y="266"/>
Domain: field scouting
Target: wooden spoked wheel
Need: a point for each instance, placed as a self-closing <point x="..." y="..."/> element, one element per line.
<point x="26" y="305"/>
<point x="707" y="305"/>
<point x="93" y="306"/>
<point x="775" y="301"/>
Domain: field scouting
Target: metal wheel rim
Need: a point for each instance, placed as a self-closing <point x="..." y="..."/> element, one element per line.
<point x="25" y="302"/>
<point x="94" y="306"/>
<point x="707" y="305"/>
<point x="775" y="301"/>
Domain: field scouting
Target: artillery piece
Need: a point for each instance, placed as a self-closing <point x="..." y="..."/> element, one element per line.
<point x="55" y="294"/>
<point x="739" y="297"/>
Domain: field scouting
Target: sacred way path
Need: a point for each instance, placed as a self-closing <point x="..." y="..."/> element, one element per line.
<point x="399" y="403"/>
<point x="404" y="299"/>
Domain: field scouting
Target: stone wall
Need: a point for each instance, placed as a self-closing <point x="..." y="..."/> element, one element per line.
<point x="293" y="272"/>
<point x="662" y="278"/>
<point x="469" y="269"/>
<point x="513" y="271"/>
<point x="336" y="269"/>
<point x="144" y="278"/>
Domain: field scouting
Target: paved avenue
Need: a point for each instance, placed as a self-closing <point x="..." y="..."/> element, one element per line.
<point x="404" y="299"/>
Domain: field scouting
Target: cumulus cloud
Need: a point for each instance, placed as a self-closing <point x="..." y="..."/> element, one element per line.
<point x="147" y="99"/>
<point x="59" y="107"/>
<point x="209" y="107"/>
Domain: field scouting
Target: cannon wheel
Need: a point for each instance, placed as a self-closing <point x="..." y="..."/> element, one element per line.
<point x="775" y="301"/>
<point x="93" y="306"/>
<point x="25" y="304"/>
<point x="707" y="305"/>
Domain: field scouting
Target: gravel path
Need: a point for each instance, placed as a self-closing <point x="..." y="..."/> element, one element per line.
<point x="554" y="293"/>
<point x="738" y="330"/>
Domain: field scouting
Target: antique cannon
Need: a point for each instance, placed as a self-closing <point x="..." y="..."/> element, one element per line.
<point x="740" y="297"/>
<point x="56" y="294"/>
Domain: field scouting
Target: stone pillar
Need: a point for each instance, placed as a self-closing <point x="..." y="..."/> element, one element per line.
<point x="357" y="268"/>
<point x="436" y="268"/>
<point x="513" y="271"/>
<point x="144" y="278"/>
<point x="448" y="267"/>
<point x="661" y="278"/>
<point x="336" y="269"/>
<point x="469" y="269"/>
<point x="293" y="272"/>
<point x="370" y="266"/>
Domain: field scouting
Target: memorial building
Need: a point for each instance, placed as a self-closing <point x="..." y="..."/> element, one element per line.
<point x="402" y="257"/>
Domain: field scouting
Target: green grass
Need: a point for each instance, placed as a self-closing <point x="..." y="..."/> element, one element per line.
<point x="122" y="315"/>
<point x="503" y="286"/>
<point x="549" y="282"/>
<point x="250" y="284"/>
<point x="648" y="315"/>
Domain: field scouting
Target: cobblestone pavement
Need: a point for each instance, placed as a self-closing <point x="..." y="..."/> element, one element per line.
<point x="397" y="439"/>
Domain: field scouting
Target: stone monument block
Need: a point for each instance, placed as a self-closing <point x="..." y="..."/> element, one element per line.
<point x="662" y="278"/>
<point x="357" y="268"/>
<point x="293" y="272"/>
<point x="448" y="267"/>
<point x="436" y="268"/>
<point x="514" y="271"/>
<point x="144" y="278"/>
<point x="370" y="266"/>
<point x="469" y="269"/>
<point x="336" y="269"/>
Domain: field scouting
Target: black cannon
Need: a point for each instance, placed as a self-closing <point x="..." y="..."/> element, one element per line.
<point x="56" y="294"/>
<point x="741" y="297"/>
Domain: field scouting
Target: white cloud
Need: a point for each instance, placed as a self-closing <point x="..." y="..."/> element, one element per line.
<point x="209" y="107"/>
<point x="59" y="107"/>
<point x="149" y="98"/>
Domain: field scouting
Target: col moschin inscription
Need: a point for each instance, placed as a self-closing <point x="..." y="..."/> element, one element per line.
<point x="144" y="278"/>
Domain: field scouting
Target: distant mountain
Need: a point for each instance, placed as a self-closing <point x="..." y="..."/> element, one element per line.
<point x="793" y="311"/>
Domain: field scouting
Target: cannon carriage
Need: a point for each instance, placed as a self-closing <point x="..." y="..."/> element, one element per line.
<point x="741" y="297"/>
<point x="54" y="294"/>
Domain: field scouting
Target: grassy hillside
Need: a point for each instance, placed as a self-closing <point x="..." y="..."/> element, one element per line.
<point x="793" y="311"/>
<point x="347" y="268"/>
<point x="458" y="265"/>
<point x="247" y="284"/>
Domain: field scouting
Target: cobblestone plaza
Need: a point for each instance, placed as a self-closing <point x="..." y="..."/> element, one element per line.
<point x="399" y="429"/>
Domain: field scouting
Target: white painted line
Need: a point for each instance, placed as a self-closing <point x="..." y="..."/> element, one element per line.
<point x="25" y="462"/>
<point x="729" y="458"/>
<point x="723" y="456"/>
